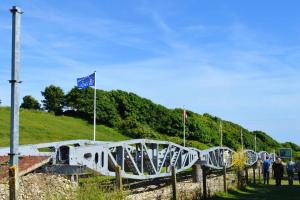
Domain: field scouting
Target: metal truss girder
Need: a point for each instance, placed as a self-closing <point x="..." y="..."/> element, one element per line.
<point x="262" y="155"/>
<point x="138" y="158"/>
<point x="217" y="157"/>
<point x="251" y="156"/>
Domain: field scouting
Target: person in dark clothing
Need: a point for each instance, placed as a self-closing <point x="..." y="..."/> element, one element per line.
<point x="266" y="170"/>
<point x="290" y="169"/>
<point x="298" y="169"/>
<point x="278" y="170"/>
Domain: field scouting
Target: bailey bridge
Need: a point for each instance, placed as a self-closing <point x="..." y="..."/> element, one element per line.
<point x="138" y="158"/>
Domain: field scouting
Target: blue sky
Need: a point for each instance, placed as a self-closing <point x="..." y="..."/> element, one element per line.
<point x="235" y="59"/>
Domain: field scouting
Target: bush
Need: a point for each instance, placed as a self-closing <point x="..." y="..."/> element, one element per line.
<point x="54" y="99"/>
<point x="30" y="103"/>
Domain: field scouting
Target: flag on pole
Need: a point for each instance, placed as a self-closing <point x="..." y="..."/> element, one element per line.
<point x="86" y="81"/>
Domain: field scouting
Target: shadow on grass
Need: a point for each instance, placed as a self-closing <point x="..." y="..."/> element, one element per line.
<point x="258" y="192"/>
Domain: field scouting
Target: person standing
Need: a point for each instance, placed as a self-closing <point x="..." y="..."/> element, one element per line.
<point x="290" y="167"/>
<point x="297" y="167"/>
<point x="266" y="170"/>
<point x="278" y="170"/>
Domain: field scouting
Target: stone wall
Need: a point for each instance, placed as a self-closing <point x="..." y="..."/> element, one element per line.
<point x="36" y="186"/>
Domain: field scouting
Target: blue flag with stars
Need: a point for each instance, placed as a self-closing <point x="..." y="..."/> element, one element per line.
<point x="86" y="81"/>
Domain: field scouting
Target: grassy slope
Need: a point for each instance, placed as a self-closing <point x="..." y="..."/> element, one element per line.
<point x="38" y="127"/>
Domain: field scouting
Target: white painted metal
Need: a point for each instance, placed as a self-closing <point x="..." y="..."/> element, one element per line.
<point x="138" y="158"/>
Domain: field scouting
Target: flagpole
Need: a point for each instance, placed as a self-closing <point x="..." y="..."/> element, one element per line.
<point x="184" y="113"/>
<point x="221" y="133"/>
<point x="242" y="141"/>
<point x="95" y="108"/>
<point x="255" y="142"/>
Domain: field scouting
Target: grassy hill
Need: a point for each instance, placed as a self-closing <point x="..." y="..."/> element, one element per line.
<point x="125" y="115"/>
<point x="39" y="126"/>
<point x="138" y="117"/>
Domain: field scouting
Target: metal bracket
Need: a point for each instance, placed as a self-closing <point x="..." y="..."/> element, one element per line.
<point x="14" y="81"/>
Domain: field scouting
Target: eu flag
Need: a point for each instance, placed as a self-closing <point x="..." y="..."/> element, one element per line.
<point x="86" y="81"/>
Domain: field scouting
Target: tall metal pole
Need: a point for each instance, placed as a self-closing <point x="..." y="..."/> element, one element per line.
<point x="184" y="116"/>
<point x="221" y="134"/>
<point x="95" y="94"/>
<point x="255" y="142"/>
<point x="242" y="140"/>
<point x="14" y="117"/>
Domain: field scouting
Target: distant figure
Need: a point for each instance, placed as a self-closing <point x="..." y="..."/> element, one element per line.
<point x="290" y="167"/>
<point x="278" y="171"/>
<point x="298" y="168"/>
<point x="266" y="170"/>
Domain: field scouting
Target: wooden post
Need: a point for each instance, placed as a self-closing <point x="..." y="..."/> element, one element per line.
<point x="246" y="176"/>
<point x="174" y="189"/>
<point x="204" y="174"/>
<point x="239" y="177"/>
<point x="259" y="172"/>
<point x="254" y="171"/>
<point x="119" y="183"/>
<point x="224" y="179"/>
<point x="196" y="173"/>
<point x="13" y="180"/>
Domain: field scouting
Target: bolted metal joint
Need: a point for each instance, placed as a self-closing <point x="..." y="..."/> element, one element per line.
<point x="15" y="81"/>
<point x="16" y="9"/>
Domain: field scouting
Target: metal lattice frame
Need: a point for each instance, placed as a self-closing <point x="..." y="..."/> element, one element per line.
<point x="215" y="157"/>
<point x="262" y="155"/>
<point x="252" y="157"/>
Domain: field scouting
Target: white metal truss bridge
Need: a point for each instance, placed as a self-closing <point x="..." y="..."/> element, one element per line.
<point x="138" y="158"/>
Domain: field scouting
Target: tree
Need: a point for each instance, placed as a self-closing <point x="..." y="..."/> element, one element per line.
<point x="54" y="99"/>
<point x="81" y="103"/>
<point x="30" y="103"/>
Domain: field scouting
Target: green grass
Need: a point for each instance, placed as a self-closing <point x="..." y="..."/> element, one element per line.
<point x="39" y="126"/>
<point x="263" y="192"/>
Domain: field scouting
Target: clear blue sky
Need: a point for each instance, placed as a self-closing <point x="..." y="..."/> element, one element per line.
<point x="235" y="59"/>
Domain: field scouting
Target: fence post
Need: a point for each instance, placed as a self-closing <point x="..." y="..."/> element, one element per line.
<point x="119" y="183"/>
<point x="196" y="172"/>
<point x="259" y="172"/>
<point x="238" y="178"/>
<point x="13" y="183"/>
<point x="224" y="179"/>
<point x="246" y="176"/>
<point x="254" y="171"/>
<point x="174" y="188"/>
<point x="204" y="174"/>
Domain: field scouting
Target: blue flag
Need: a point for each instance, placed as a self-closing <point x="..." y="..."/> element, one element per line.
<point x="86" y="82"/>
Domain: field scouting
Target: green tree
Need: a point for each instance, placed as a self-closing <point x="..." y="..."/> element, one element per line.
<point x="139" y="117"/>
<point x="30" y="103"/>
<point x="54" y="99"/>
<point x="81" y="103"/>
